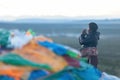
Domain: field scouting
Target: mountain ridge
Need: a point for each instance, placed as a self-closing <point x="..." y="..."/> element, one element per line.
<point x="62" y="20"/>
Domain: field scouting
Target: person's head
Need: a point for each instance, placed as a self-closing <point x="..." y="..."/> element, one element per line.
<point x="93" y="27"/>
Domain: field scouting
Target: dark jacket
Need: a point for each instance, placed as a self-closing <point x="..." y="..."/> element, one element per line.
<point x="89" y="40"/>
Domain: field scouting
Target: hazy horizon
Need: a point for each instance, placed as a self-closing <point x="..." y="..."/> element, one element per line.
<point x="58" y="19"/>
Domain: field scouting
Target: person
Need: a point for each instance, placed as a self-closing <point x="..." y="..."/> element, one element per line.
<point x="89" y="41"/>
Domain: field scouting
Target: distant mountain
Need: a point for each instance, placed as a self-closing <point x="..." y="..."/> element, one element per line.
<point x="42" y="20"/>
<point x="64" y="20"/>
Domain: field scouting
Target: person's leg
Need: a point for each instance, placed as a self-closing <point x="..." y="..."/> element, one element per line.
<point x="93" y="60"/>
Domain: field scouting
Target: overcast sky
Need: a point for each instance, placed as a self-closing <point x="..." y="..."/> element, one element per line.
<point x="12" y="9"/>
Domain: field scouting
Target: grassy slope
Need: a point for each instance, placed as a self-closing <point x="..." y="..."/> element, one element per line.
<point x="109" y="53"/>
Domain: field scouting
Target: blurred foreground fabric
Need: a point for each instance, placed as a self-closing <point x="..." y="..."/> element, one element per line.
<point x="25" y="56"/>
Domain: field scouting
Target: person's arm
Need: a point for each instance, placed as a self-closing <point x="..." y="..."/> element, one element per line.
<point x="82" y="36"/>
<point x="88" y="39"/>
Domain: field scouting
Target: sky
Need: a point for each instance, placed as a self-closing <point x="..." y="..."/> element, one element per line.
<point x="14" y="9"/>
